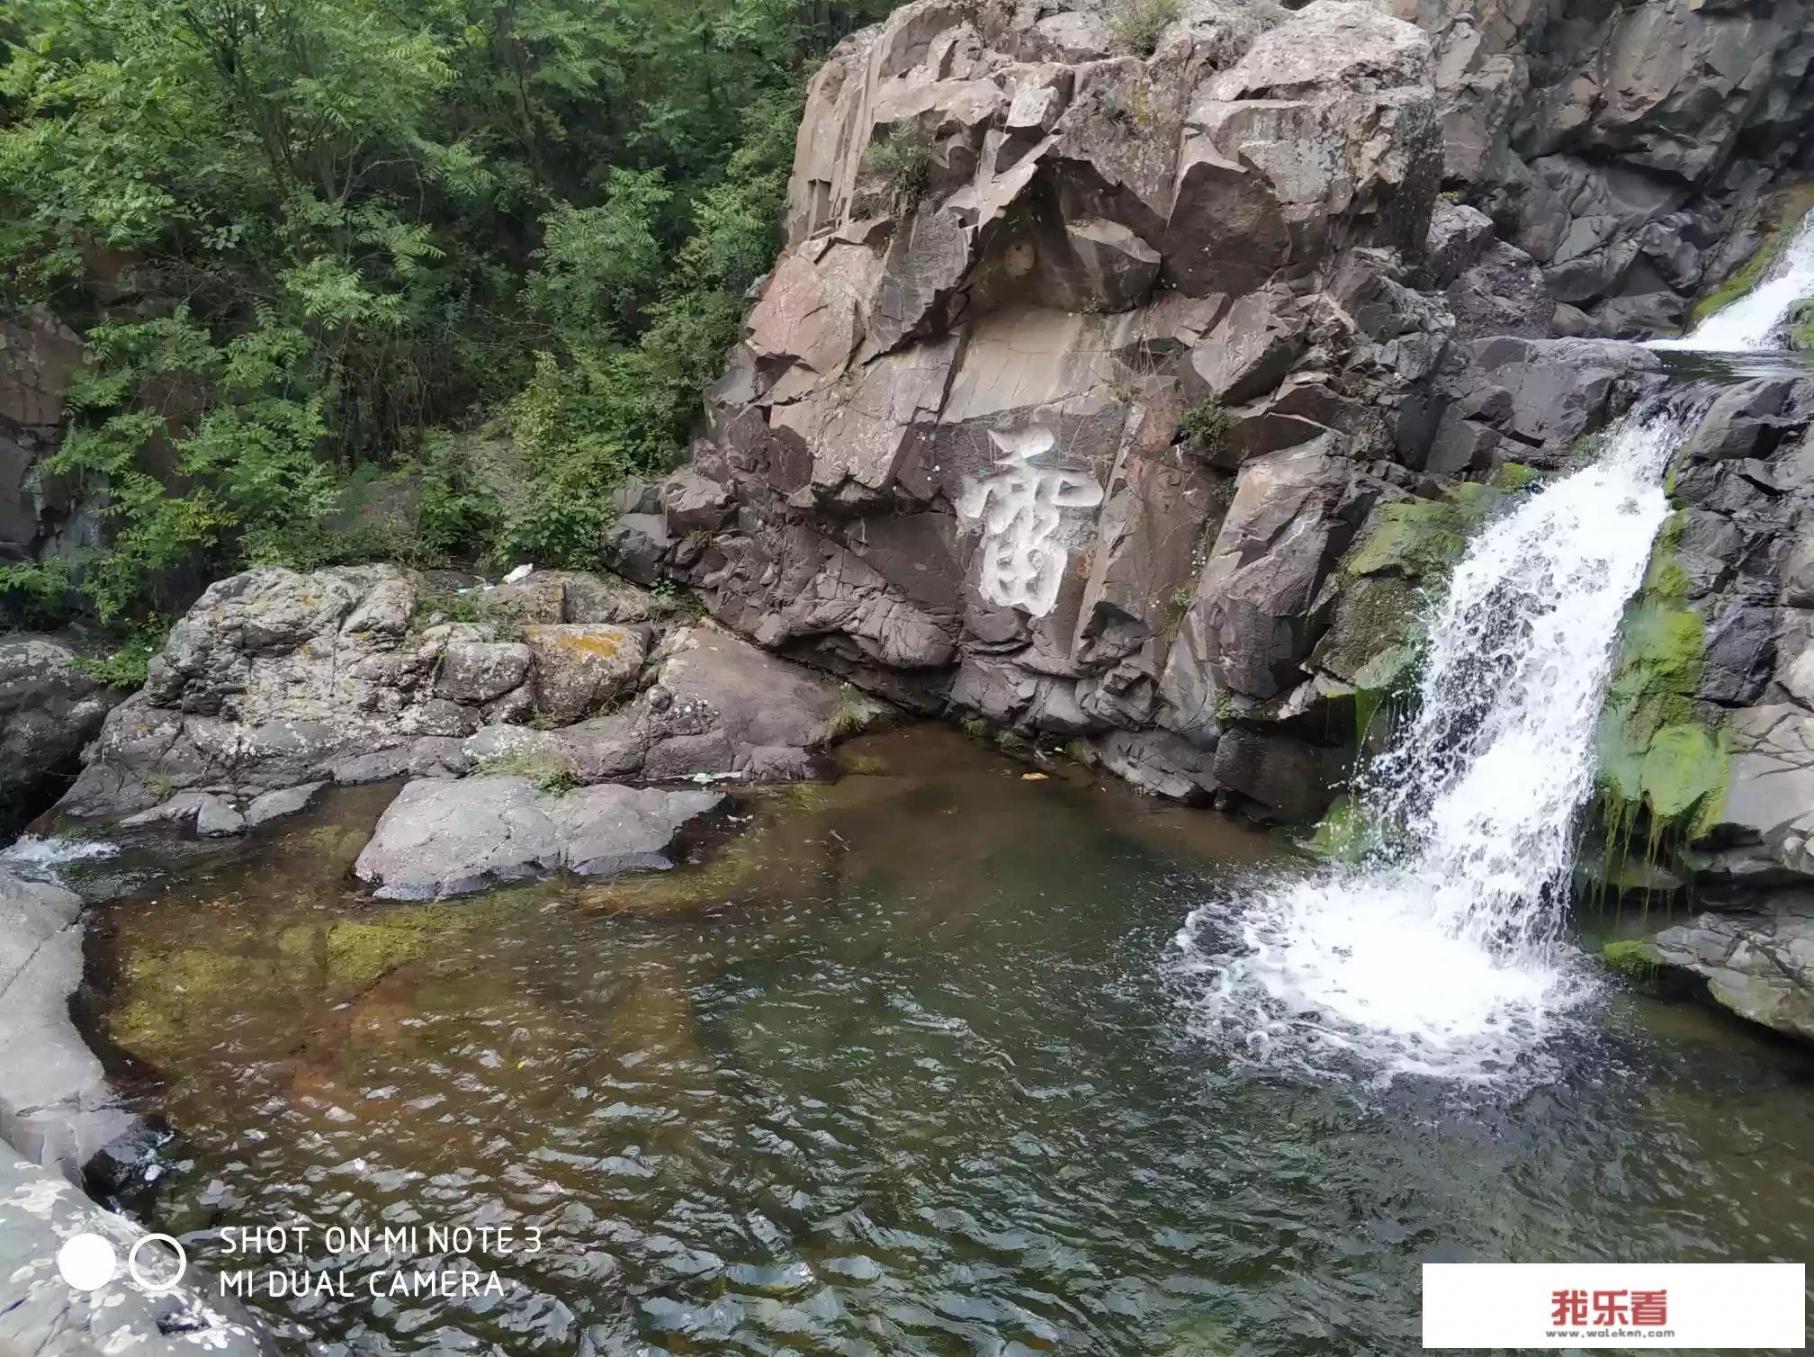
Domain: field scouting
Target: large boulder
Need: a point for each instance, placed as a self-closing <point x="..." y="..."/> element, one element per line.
<point x="278" y="680"/>
<point x="442" y="838"/>
<point x="56" y="1107"/>
<point x="49" y="709"/>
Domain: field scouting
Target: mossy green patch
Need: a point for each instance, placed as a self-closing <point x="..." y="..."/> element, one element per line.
<point x="1418" y="538"/>
<point x="1633" y="958"/>
<point x="1512" y="477"/>
<point x="1342" y="835"/>
<point x="1801" y="325"/>
<point x="1663" y="767"/>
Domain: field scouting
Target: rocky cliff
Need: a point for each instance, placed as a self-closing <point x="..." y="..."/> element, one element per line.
<point x="1126" y="372"/>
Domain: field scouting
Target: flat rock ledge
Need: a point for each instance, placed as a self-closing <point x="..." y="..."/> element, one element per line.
<point x="1758" y="965"/>
<point x="441" y="838"/>
<point x="42" y="1316"/>
<point x="55" y="1104"/>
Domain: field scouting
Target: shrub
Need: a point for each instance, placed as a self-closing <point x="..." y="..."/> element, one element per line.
<point x="1135" y="26"/>
<point x="1205" y="424"/>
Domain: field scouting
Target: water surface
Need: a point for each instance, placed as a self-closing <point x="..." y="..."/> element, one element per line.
<point x="905" y="1068"/>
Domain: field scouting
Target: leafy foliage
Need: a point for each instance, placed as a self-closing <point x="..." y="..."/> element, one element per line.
<point x="313" y="243"/>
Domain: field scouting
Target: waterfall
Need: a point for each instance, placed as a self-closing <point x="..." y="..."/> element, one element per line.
<point x="1753" y="320"/>
<point x="1439" y="951"/>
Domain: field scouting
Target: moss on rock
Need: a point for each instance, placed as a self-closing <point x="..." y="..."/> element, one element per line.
<point x="1633" y="958"/>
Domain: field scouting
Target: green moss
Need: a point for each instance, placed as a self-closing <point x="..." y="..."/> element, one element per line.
<point x="1417" y="538"/>
<point x="1342" y="835"/>
<point x="1801" y="325"/>
<point x="1663" y="768"/>
<point x="1632" y="958"/>
<point x="1515" y="476"/>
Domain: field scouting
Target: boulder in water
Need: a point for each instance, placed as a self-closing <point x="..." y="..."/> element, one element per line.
<point x="442" y="837"/>
<point x="1758" y="963"/>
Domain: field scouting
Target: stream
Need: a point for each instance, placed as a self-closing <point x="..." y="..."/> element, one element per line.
<point x="909" y="1065"/>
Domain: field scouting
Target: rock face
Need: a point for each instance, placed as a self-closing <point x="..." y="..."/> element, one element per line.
<point x="49" y="710"/>
<point x="1760" y="965"/>
<point x="1083" y="371"/>
<point x="38" y="354"/>
<point x="451" y="838"/>
<point x="277" y="682"/>
<point x="55" y="1104"/>
<point x="45" y="1317"/>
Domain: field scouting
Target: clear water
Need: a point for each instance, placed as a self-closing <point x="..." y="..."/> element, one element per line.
<point x="1441" y="951"/>
<point x="896" y="1072"/>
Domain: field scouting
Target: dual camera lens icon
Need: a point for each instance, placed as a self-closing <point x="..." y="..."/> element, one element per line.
<point x="90" y="1261"/>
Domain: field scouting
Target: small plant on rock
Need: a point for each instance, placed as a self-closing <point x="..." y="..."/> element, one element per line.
<point x="552" y="774"/>
<point x="1205" y="424"/>
<point x="1135" y="26"/>
<point x="904" y="160"/>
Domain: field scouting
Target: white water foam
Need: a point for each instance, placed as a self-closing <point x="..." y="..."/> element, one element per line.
<point x="1753" y="321"/>
<point x="45" y="857"/>
<point x="1438" y="952"/>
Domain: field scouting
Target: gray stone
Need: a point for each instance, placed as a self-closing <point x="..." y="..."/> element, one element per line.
<point x="474" y="672"/>
<point x="1757" y="963"/>
<point x="285" y="801"/>
<point x="636" y="546"/>
<point x="45" y="1317"/>
<point x="49" y="710"/>
<point x="441" y="838"/>
<point x="55" y="1104"/>
<point x="582" y="667"/>
<point x="217" y="819"/>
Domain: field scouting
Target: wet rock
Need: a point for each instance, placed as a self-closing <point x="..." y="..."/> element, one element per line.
<point x="1757" y="963"/>
<point x="1285" y="776"/>
<point x="1160" y="762"/>
<point x="49" y="710"/>
<point x="441" y="838"/>
<point x="55" y="1104"/>
<point x="270" y="806"/>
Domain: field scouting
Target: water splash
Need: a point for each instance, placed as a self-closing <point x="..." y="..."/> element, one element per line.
<point x="1754" y="321"/>
<point x="44" y="858"/>
<point x="1438" y="953"/>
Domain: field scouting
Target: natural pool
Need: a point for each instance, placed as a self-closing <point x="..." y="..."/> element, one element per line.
<point x="904" y="1068"/>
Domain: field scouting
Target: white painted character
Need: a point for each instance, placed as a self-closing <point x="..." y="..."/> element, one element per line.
<point x="1020" y="506"/>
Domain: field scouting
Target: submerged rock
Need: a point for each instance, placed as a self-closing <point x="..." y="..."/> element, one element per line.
<point x="55" y="1104"/>
<point x="452" y="838"/>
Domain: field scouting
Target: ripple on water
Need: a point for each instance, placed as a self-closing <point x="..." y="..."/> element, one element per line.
<point x="918" y="1088"/>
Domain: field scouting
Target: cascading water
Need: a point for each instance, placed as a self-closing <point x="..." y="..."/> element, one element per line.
<point x="1440" y="951"/>
<point x="1437" y="952"/>
<point x="1752" y="321"/>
